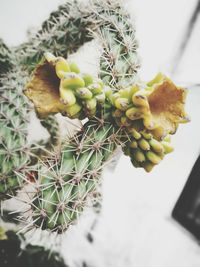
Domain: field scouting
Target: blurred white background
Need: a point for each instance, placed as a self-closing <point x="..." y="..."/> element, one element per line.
<point x="136" y="227"/>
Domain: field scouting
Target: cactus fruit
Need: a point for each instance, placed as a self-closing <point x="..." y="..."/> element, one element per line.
<point x="145" y="151"/>
<point x="76" y="95"/>
<point x="147" y="115"/>
<point x="160" y="106"/>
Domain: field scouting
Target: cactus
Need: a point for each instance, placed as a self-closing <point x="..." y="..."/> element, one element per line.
<point x="119" y="111"/>
<point x="125" y="60"/>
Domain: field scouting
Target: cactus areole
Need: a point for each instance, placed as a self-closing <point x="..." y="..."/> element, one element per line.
<point x="119" y="111"/>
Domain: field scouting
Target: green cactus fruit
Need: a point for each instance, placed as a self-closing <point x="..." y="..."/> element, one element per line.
<point x="73" y="110"/>
<point x="138" y="155"/>
<point x="154" y="158"/>
<point x="83" y="93"/>
<point x="156" y="146"/>
<point x="72" y="81"/>
<point x="121" y="103"/>
<point x="74" y="67"/>
<point x="134" y="113"/>
<point x="144" y="144"/>
<point x="144" y="150"/>
<point x="90" y="104"/>
<point x="96" y="88"/>
<point x="88" y="79"/>
<point x="67" y="96"/>
<point x="61" y="67"/>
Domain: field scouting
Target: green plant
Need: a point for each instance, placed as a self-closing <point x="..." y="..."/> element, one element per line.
<point x="65" y="180"/>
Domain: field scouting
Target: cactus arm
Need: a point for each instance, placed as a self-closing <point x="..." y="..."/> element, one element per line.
<point x="67" y="183"/>
<point x="14" y="152"/>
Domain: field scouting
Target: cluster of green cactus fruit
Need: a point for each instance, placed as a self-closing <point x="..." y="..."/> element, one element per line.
<point x="130" y="109"/>
<point x="145" y="151"/>
<point x="80" y="93"/>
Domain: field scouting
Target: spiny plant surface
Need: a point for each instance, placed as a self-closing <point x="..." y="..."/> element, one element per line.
<point x="65" y="184"/>
<point x="14" y="152"/>
<point x="64" y="32"/>
<point x="140" y="120"/>
<point x="120" y="112"/>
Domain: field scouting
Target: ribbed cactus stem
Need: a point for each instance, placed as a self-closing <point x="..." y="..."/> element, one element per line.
<point x="67" y="183"/>
<point x="14" y="152"/>
<point x="76" y="23"/>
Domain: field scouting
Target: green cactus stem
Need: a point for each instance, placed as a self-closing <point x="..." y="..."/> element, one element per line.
<point x="68" y="182"/>
<point x="14" y="152"/>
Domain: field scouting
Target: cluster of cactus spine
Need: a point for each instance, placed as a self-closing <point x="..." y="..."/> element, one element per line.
<point x="14" y="151"/>
<point x="66" y="183"/>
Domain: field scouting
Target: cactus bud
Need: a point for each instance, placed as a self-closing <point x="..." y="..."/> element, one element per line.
<point x="67" y="96"/>
<point x="139" y="155"/>
<point x="62" y="67"/>
<point x="153" y="157"/>
<point x="74" y="67"/>
<point x="83" y="93"/>
<point x="134" y="113"/>
<point x="72" y="81"/>
<point x="122" y="103"/>
<point x="143" y="144"/>
<point x="88" y="79"/>
<point x="156" y="146"/>
<point x="91" y="104"/>
<point x="73" y="110"/>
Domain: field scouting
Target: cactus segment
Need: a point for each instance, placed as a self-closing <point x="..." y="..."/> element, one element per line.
<point x="67" y="183"/>
<point x="14" y="112"/>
